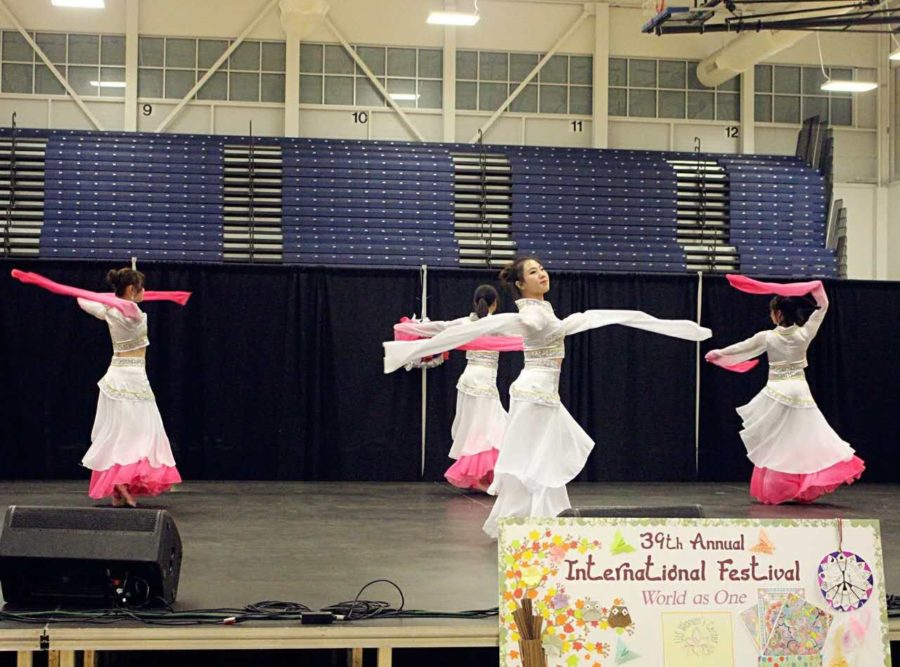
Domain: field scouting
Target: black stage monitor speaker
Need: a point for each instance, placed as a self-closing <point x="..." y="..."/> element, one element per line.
<point x="99" y="556"/>
<point x="630" y="511"/>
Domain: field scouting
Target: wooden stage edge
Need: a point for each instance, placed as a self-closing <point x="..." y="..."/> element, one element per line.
<point x="64" y="642"/>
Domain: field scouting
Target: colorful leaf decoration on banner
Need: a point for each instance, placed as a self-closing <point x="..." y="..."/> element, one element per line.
<point x="624" y="654"/>
<point x="619" y="545"/>
<point x="764" y="545"/>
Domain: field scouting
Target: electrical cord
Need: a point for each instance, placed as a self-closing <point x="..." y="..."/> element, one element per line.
<point x="155" y="611"/>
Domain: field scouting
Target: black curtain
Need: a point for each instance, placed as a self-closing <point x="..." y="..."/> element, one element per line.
<point x="274" y="372"/>
<point x="267" y="373"/>
<point x="632" y="391"/>
<point x="853" y="374"/>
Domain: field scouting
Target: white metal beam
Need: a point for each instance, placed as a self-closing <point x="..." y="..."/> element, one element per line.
<point x="216" y="65"/>
<point x="292" y="84"/>
<point x="132" y="35"/>
<point x="600" y="122"/>
<point x="374" y="80"/>
<point x="43" y="56"/>
<point x="543" y="61"/>
<point x="748" y="111"/>
<point x="449" y="84"/>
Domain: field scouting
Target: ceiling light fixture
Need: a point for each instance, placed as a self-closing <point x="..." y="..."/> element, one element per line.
<point x="847" y="86"/>
<point x="83" y="4"/>
<point x="841" y="85"/>
<point x="452" y="18"/>
<point x="455" y="18"/>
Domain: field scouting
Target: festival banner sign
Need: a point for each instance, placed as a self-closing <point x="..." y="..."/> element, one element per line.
<point x="692" y="593"/>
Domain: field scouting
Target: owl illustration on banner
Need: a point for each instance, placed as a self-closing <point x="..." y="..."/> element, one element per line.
<point x="592" y="612"/>
<point x="619" y="617"/>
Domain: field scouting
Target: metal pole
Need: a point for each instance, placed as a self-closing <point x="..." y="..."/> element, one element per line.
<point x="424" y="276"/>
<point x="697" y="381"/>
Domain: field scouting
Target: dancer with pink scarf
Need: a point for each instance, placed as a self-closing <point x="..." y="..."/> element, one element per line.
<point x="130" y="454"/>
<point x="796" y="455"/>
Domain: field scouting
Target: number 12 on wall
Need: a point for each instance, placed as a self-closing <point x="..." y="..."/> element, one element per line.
<point x="733" y="132"/>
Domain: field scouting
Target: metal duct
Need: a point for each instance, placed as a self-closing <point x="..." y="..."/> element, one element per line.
<point x="753" y="47"/>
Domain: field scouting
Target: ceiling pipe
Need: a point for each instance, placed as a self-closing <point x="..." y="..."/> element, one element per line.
<point x="751" y="48"/>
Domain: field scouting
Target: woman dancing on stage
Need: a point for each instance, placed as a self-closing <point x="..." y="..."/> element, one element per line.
<point x="480" y="418"/>
<point x="796" y="455"/>
<point x="543" y="447"/>
<point x="130" y="454"/>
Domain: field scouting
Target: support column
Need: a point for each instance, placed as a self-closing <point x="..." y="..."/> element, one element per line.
<point x="132" y="35"/>
<point x="748" y="111"/>
<point x="600" y="124"/>
<point x="449" y="84"/>
<point x="292" y="84"/>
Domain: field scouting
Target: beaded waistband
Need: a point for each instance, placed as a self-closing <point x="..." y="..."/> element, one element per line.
<point x="132" y="362"/>
<point x="551" y="352"/>
<point x="790" y="371"/>
<point x="552" y="364"/>
<point x="483" y="358"/>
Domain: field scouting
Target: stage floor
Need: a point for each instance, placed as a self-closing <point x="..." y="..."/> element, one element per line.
<point x="319" y="542"/>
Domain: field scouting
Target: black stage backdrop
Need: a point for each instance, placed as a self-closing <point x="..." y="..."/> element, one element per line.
<point x="274" y="372"/>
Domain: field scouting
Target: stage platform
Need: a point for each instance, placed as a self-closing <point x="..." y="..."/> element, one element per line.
<point x="318" y="543"/>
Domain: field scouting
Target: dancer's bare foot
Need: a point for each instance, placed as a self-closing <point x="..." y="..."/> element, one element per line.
<point x="117" y="500"/>
<point x="127" y="498"/>
<point x="481" y="485"/>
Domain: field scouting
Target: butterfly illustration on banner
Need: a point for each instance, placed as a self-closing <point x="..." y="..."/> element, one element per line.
<point x="764" y="545"/>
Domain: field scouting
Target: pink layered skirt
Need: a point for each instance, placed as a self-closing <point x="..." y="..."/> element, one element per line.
<point x="129" y="444"/>
<point x="772" y="487"/>
<point x="796" y="454"/>
<point x="478" y="428"/>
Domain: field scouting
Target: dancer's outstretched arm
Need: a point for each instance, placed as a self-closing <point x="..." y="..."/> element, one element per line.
<point x="811" y="328"/>
<point x="181" y="298"/>
<point x="636" y="319"/>
<point x="127" y="308"/>
<point x="98" y="310"/>
<point x="734" y="356"/>
<point x="813" y="287"/>
<point x="751" y="286"/>
<point x="397" y="353"/>
<point x="407" y="329"/>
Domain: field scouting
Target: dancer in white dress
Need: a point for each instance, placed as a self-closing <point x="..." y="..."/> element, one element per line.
<point x="480" y="418"/>
<point x="543" y="448"/>
<point x="130" y="455"/>
<point x="796" y="454"/>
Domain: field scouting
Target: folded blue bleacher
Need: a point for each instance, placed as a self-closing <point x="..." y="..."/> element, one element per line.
<point x="778" y="216"/>
<point x="382" y="203"/>
<point x="595" y="210"/>
<point x="119" y="195"/>
<point x="114" y="195"/>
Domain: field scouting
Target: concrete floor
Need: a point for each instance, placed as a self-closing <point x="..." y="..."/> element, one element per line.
<point x="319" y="542"/>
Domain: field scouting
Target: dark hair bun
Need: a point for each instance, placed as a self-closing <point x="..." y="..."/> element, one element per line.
<point x="113" y="277"/>
<point x="119" y="279"/>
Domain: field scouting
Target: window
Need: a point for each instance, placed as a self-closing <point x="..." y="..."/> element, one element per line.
<point x="412" y="76"/>
<point x="668" y="89"/>
<point x="169" y="67"/>
<point x="485" y="79"/>
<point x="94" y="65"/>
<point x="790" y="94"/>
